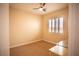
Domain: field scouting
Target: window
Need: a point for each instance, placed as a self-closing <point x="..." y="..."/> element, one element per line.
<point x="56" y="25"/>
<point x="53" y="25"/>
<point x="56" y="21"/>
<point x="50" y="26"/>
<point x="61" y="25"/>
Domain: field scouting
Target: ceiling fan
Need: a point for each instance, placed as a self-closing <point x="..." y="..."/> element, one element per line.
<point x="41" y="7"/>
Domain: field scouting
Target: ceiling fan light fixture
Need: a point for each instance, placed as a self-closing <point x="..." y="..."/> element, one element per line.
<point x="40" y="9"/>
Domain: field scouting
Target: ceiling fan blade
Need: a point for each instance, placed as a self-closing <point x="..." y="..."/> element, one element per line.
<point x="35" y="8"/>
<point x="44" y="10"/>
<point x="44" y="4"/>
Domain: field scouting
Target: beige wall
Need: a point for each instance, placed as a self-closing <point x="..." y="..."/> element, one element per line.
<point x="53" y="37"/>
<point x="25" y="27"/>
<point x="4" y="29"/>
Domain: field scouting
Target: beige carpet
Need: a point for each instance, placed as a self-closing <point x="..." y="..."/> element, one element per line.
<point x="40" y="48"/>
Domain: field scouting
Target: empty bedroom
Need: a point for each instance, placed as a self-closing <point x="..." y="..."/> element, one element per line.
<point x="38" y="29"/>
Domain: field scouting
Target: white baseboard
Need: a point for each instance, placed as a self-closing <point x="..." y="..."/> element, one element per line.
<point x="50" y="42"/>
<point x="24" y="43"/>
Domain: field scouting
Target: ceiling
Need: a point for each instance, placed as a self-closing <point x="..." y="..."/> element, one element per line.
<point x="29" y="7"/>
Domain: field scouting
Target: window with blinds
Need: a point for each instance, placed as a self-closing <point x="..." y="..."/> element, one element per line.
<point x="56" y="25"/>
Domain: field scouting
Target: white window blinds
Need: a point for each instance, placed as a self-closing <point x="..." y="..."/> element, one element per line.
<point x="56" y="25"/>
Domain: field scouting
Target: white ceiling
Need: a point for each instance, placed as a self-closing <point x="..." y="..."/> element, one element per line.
<point x="29" y="7"/>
